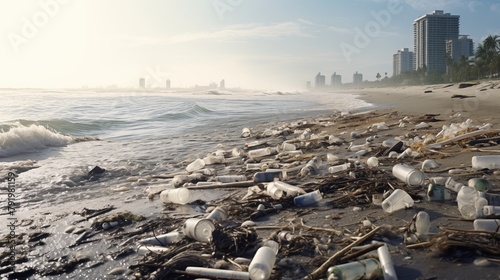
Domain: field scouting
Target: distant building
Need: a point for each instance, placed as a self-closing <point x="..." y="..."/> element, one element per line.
<point x="308" y="84"/>
<point x="167" y="84"/>
<point x="463" y="46"/>
<point x="430" y="34"/>
<point x="357" y="78"/>
<point x="319" y="81"/>
<point x="222" y="84"/>
<point x="336" y="80"/>
<point x="403" y="61"/>
<point x="142" y="83"/>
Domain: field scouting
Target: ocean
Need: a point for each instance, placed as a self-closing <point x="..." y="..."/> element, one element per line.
<point x="52" y="138"/>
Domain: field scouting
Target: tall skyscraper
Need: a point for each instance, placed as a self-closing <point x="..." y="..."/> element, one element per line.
<point x="319" y="80"/>
<point x="336" y="80"/>
<point x="357" y="78"/>
<point x="142" y="83"/>
<point x="403" y="61"/>
<point x="430" y="33"/>
<point x="222" y="84"/>
<point x="167" y="84"/>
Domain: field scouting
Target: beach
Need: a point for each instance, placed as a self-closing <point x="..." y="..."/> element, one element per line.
<point x="435" y="106"/>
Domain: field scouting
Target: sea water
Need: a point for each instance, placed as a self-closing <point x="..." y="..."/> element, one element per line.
<point x="52" y="138"/>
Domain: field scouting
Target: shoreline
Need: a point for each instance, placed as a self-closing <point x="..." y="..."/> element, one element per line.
<point x="405" y="102"/>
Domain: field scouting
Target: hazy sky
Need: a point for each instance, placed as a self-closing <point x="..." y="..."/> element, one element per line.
<point x="273" y="44"/>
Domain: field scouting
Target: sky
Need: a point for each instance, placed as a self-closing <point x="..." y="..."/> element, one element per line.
<point x="253" y="44"/>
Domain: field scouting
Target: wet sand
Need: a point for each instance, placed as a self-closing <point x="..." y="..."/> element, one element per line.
<point x="400" y="102"/>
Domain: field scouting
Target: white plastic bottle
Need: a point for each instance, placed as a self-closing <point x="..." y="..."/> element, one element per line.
<point x="262" y="264"/>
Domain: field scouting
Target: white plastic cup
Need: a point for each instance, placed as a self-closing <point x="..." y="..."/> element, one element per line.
<point x="466" y="199"/>
<point x="262" y="264"/>
<point x="273" y="191"/>
<point x="218" y="214"/>
<point x="399" y="199"/>
<point x="409" y="175"/>
<point x="219" y="273"/>
<point x="245" y="132"/>
<point x="492" y="225"/>
<point x="199" y="229"/>
<point x="489" y="162"/>
<point x="177" y="196"/>
<point x="197" y="164"/>
<point x="372" y="162"/>
<point x="308" y="198"/>
<point x="163" y="239"/>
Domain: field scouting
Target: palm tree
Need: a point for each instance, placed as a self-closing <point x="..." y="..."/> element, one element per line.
<point x="488" y="54"/>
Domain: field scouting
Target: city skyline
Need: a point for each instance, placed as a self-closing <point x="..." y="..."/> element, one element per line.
<point x="250" y="44"/>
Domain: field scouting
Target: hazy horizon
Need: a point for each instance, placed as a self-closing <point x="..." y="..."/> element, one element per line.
<point x="251" y="44"/>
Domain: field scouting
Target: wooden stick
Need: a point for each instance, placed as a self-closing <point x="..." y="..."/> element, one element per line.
<point x="419" y="245"/>
<point x="320" y="271"/>
<point x="336" y="232"/>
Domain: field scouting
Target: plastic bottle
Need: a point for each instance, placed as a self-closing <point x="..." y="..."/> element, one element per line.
<point x="386" y="263"/>
<point x="399" y="199"/>
<point x="211" y="159"/>
<point x="493" y="199"/>
<point x="492" y="225"/>
<point x="267" y="176"/>
<point x="364" y="269"/>
<point x="422" y="224"/>
<point x="274" y="191"/>
<point x="489" y="162"/>
<point x="409" y="175"/>
<point x="259" y="153"/>
<point x="197" y="164"/>
<point x="308" y="198"/>
<point x="489" y="210"/>
<point x="262" y="264"/>
<point x="219" y="273"/>
<point x="480" y="184"/>
<point x="466" y="200"/>
<point x="339" y="168"/>
<point x="230" y="178"/>
<point x="285" y="235"/>
<point x="437" y="192"/>
<point x="312" y="167"/>
<point x="453" y="185"/>
<point x="199" y="229"/>
<point x="290" y="190"/>
<point x="163" y="239"/>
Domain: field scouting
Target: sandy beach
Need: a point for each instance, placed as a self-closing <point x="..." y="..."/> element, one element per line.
<point x="321" y="229"/>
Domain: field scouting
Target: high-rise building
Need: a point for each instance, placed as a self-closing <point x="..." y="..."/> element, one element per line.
<point x="403" y="61"/>
<point x="357" y="78"/>
<point x="167" y="84"/>
<point x="142" y="83"/>
<point x="308" y="84"/>
<point x="222" y="84"/>
<point x="464" y="46"/>
<point x="336" y="80"/>
<point x="430" y="33"/>
<point x="319" y="81"/>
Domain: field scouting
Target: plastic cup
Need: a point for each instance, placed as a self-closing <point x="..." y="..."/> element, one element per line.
<point x="177" y="196"/>
<point x="398" y="200"/>
<point x="372" y="162"/>
<point x="409" y="175"/>
<point x="274" y="191"/>
<point x="308" y="198"/>
<point x="218" y="214"/>
<point x="199" y="229"/>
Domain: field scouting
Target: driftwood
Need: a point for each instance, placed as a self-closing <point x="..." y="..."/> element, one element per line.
<point x="333" y="260"/>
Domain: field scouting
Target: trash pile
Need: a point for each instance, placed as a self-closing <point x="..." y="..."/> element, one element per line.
<point x="283" y="178"/>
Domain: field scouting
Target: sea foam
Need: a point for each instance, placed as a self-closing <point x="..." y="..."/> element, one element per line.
<point x="21" y="139"/>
